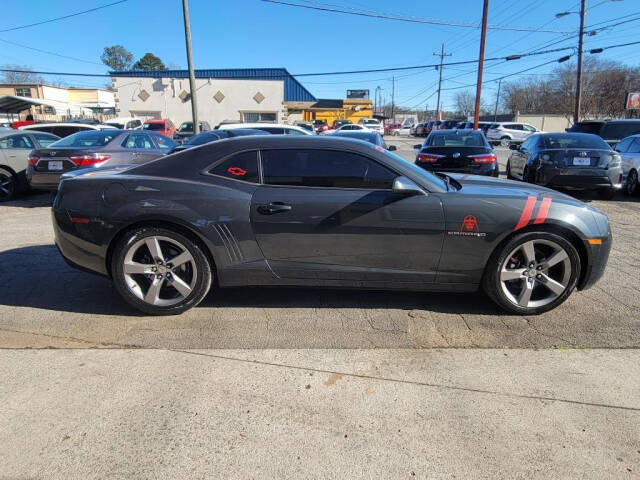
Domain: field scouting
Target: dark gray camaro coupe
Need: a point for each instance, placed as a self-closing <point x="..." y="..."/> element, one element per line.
<point x="314" y="211"/>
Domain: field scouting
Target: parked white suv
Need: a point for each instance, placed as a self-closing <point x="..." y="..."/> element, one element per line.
<point x="372" y="124"/>
<point x="504" y="133"/>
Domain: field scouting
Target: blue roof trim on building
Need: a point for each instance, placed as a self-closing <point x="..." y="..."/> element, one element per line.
<point x="293" y="90"/>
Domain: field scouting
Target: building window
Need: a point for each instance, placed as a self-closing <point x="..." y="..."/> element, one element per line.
<point x="255" y="117"/>
<point x="23" y="92"/>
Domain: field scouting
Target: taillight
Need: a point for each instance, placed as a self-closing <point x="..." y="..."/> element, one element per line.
<point x="428" y="158"/>
<point x="33" y="160"/>
<point x="484" y="158"/>
<point x="91" y="159"/>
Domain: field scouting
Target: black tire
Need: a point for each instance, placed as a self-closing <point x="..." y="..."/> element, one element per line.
<point x="505" y="141"/>
<point x="509" y="176"/>
<point x="631" y="186"/>
<point x="606" y="193"/>
<point x="203" y="271"/>
<point x="9" y="185"/>
<point x="492" y="284"/>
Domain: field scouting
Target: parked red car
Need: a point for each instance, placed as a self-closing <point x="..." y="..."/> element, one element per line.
<point x="162" y="126"/>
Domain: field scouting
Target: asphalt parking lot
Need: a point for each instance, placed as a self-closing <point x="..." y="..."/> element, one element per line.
<point x="275" y="383"/>
<point x="45" y="303"/>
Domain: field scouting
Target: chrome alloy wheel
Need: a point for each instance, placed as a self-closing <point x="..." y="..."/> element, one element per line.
<point x="535" y="273"/>
<point x="160" y="271"/>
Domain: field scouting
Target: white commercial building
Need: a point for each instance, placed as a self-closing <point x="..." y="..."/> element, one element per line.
<point x="246" y="95"/>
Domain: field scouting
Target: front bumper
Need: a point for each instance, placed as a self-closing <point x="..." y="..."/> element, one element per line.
<point x="598" y="256"/>
<point x="43" y="180"/>
<point x="579" y="178"/>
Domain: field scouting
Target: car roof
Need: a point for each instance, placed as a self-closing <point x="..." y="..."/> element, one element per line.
<point x="259" y="125"/>
<point x="624" y="120"/>
<point x="356" y="133"/>
<point x="156" y="120"/>
<point x="6" y="133"/>
<point x="35" y="126"/>
<point x="122" y="119"/>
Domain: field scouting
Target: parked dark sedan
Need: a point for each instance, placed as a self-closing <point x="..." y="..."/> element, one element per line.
<point x="185" y="130"/>
<point x="213" y="135"/>
<point x="93" y="148"/>
<point x="459" y="151"/>
<point x="371" y="137"/>
<point x="567" y="160"/>
<point x="323" y="212"/>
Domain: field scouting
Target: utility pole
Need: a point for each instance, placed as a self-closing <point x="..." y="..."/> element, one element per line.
<point x="576" y="111"/>
<point x="495" y="112"/>
<point x="441" y="55"/>
<point x="192" y="76"/>
<point x="393" y="93"/>
<point x="483" y="37"/>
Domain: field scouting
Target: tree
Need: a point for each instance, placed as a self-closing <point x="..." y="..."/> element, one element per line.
<point x="26" y="75"/>
<point x="117" y="57"/>
<point x="465" y="102"/>
<point x="149" y="62"/>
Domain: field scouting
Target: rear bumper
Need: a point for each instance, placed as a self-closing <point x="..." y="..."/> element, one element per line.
<point x="43" y="180"/>
<point x="490" y="170"/>
<point x="580" y="178"/>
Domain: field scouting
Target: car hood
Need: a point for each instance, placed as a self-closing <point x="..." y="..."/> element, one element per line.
<point x="491" y="186"/>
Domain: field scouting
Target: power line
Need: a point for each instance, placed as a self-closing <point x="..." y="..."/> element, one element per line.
<point x="407" y="19"/>
<point x="49" y="53"/>
<point x="63" y="17"/>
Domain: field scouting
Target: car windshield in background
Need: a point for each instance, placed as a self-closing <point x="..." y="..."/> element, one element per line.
<point x="186" y="127"/>
<point x="457" y="139"/>
<point x="564" y="140"/>
<point x="203" y="138"/>
<point x="115" y="124"/>
<point x="153" y="126"/>
<point x="371" y="137"/>
<point x="90" y="138"/>
<point x="620" y="130"/>
<point x="371" y="122"/>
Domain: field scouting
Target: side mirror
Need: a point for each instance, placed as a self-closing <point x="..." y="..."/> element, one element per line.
<point x="406" y="187"/>
<point x="417" y="147"/>
<point x="514" y="146"/>
<point x="392" y="148"/>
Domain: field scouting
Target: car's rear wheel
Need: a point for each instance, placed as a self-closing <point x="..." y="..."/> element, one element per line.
<point x="505" y="141"/>
<point x="160" y="271"/>
<point x="8" y="185"/>
<point x="509" y="176"/>
<point x="632" y="187"/>
<point x="532" y="273"/>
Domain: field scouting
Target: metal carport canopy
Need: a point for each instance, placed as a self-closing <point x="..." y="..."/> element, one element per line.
<point x="14" y="104"/>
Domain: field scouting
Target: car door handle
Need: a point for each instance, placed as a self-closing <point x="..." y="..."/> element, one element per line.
<point x="273" y="207"/>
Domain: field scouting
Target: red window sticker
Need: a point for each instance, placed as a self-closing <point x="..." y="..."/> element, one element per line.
<point x="237" y="171"/>
<point x="380" y="149"/>
<point x="469" y="224"/>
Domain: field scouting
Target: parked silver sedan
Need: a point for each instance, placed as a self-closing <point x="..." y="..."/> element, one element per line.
<point x="15" y="146"/>
<point x="629" y="149"/>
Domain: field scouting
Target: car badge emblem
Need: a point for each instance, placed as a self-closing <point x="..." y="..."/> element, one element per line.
<point x="583" y="154"/>
<point x="52" y="153"/>
<point x="456" y="155"/>
<point x="469" y="224"/>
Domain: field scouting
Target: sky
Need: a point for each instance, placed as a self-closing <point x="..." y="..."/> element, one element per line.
<point x="255" y="33"/>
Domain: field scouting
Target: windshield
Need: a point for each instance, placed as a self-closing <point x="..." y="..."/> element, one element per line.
<point x="371" y="122"/>
<point x="203" y="138"/>
<point x="186" y="127"/>
<point x="620" y="130"/>
<point x="153" y="126"/>
<point x="456" y="139"/>
<point x="90" y="138"/>
<point x="417" y="170"/>
<point x="115" y="124"/>
<point x="564" y="140"/>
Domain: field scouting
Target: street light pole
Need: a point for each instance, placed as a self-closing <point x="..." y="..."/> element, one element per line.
<point x="483" y="36"/>
<point x="495" y="111"/>
<point x="192" y="76"/>
<point x="576" y="111"/>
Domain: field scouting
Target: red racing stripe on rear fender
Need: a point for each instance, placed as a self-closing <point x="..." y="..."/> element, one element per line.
<point x="526" y="213"/>
<point x="543" y="210"/>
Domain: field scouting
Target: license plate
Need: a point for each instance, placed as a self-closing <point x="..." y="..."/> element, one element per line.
<point x="582" y="161"/>
<point x="55" y="165"/>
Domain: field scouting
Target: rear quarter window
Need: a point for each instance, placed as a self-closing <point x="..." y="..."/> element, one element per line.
<point x="241" y="166"/>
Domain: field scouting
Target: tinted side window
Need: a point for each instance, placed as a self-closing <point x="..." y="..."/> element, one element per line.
<point x="324" y="168"/>
<point x="164" y="142"/>
<point x="139" y="141"/>
<point x="635" y="146"/>
<point x="242" y="166"/>
<point x="273" y="130"/>
<point x="17" y="141"/>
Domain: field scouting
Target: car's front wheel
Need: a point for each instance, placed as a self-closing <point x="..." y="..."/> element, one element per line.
<point x="505" y="141"/>
<point x="532" y="273"/>
<point x="160" y="271"/>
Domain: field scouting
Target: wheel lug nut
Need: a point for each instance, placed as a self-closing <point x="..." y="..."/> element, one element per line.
<point x="539" y="267"/>
<point x="158" y="277"/>
<point x="154" y="269"/>
<point x="538" y="276"/>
